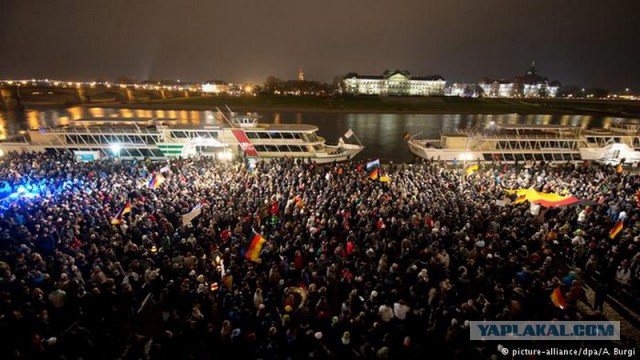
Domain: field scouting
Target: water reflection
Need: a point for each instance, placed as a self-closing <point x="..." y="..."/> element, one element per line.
<point x="380" y="133"/>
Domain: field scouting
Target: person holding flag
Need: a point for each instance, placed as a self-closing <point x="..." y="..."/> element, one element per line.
<point x="374" y="174"/>
<point x="374" y="164"/>
<point x="117" y="220"/>
<point x="557" y="299"/>
<point x="253" y="252"/>
<point x="616" y="229"/>
<point x="156" y="181"/>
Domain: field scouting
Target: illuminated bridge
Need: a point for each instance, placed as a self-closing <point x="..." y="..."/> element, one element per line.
<point x="16" y="94"/>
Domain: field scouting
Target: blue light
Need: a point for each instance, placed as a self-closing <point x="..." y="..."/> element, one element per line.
<point x="21" y="189"/>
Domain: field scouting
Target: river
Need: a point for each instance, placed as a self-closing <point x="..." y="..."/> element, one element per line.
<point x="380" y="133"/>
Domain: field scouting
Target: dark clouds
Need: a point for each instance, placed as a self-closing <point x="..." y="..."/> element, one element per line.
<point x="588" y="43"/>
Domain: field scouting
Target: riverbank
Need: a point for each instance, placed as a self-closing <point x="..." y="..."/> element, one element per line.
<point x="365" y="104"/>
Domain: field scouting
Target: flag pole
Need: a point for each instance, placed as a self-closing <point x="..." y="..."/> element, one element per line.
<point x="356" y="136"/>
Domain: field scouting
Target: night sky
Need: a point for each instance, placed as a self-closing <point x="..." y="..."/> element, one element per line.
<point x="590" y="43"/>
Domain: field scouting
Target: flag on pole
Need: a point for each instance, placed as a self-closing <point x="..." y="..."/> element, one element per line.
<point x="373" y="164"/>
<point x="471" y="168"/>
<point x="557" y="299"/>
<point x="117" y="220"/>
<point x="195" y="212"/>
<point x="253" y="252"/>
<point x="156" y="181"/>
<point x="616" y="229"/>
<point x="348" y="134"/>
<point x="374" y="174"/>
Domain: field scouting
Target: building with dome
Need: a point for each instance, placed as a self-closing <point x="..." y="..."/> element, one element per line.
<point x="529" y="85"/>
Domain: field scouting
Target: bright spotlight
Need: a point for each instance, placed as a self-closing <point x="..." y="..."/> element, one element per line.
<point x="115" y="148"/>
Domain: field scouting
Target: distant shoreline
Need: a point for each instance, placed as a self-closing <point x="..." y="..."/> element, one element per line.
<point x="384" y="105"/>
<point x="152" y="106"/>
<point x="393" y="105"/>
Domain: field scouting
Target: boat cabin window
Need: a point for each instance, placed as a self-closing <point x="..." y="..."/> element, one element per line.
<point x="310" y="137"/>
<point x="252" y="135"/>
<point x="263" y="135"/>
<point x="279" y="148"/>
<point x="276" y="135"/>
<point x="287" y="135"/>
<point x="207" y="134"/>
<point x="179" y="134"/>
<point x="294" y="148"/>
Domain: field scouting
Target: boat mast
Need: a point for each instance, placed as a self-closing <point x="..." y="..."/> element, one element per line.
<point x="225" y="118"/>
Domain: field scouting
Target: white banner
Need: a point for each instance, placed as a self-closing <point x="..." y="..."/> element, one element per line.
<point x="188" y="217"/>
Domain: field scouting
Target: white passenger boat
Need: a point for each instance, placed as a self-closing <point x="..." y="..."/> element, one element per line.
<point x="521" y="143"/>
<point x="155" y="138"/>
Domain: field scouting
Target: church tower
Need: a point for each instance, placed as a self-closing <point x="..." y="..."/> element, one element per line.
<point x="532" y="70"/>
<point x="300" y="74"/>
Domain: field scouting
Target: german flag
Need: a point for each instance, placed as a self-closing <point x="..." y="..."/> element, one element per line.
<point x="557" y="299"/>
<point x="117" y="220"/>
<point x="520" y="199"/>
<point x="374" y="174"/>
<point x="253" y="252"/>
<point x="544" y="199"/>
<point x="616" y="229"/>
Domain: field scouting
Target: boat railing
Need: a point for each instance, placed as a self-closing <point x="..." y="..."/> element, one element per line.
<point x="525" y="138"/>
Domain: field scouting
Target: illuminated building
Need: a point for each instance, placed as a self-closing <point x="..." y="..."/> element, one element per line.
<point x="528" y="85"/>
<point x="393" y="83"/>
<point x="215" y="87"/>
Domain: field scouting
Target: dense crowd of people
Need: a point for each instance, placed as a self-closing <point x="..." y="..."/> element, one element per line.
<point x="352" y="267"/>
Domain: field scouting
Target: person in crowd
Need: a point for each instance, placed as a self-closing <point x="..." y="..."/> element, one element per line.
<point x="95" y="263"/>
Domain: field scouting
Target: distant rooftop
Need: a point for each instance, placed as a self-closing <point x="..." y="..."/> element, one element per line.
<point x="388" y="73"/>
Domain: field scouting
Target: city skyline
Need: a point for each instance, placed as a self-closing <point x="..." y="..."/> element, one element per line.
<point x="578" y="43"/>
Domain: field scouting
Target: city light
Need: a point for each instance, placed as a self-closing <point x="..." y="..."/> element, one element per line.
<point x="115" y="149"/>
